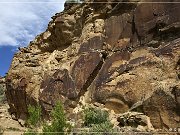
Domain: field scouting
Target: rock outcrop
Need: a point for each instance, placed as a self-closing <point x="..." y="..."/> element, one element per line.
<point x="2" y="90"/>
<point x="123" y="55"/>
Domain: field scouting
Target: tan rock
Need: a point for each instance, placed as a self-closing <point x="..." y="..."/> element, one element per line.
<point x="122" y="55"/>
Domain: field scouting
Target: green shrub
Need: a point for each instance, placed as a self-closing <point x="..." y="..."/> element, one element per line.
<point x="31" y="132"/>
<point x="103" y="128"/>
<point x="59" y="124"/>
<point x="34" y="118"/>
<point x="94" y="116"/>
<point x="98" y="121"/>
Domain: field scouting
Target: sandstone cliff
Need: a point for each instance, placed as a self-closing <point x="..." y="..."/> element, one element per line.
<point x="123" y="55"/>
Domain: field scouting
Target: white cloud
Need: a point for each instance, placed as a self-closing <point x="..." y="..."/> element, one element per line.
<point x="22" y="20"/>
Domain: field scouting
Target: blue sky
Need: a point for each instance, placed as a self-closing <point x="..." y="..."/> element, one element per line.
<point x="20" y="22"/>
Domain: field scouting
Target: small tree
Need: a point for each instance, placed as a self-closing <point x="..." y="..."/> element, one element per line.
<point x="34" y="119"/>
<point x="59" y="124"/>
<point x="34" y="115"/>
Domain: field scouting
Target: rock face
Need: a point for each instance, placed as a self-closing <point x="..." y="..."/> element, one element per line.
<point x="135" y="119"/>
<point x="2" y="90"/>
<point x="123" y="55"/>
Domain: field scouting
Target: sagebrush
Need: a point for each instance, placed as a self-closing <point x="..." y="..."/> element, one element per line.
<point x="97" y="121"/>
<point x="95" y="116"/>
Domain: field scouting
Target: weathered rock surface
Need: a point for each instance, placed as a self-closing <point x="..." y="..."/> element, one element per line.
<point x="136" y="120"/>
<point x="7" y="124"/>
<point x="123" y="55"/>
<point x="2" y="90"/>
